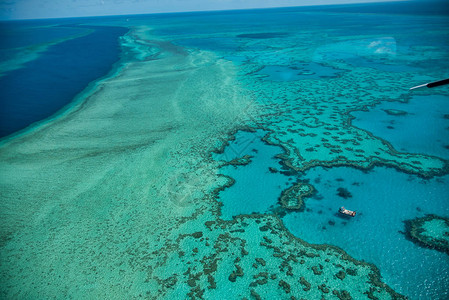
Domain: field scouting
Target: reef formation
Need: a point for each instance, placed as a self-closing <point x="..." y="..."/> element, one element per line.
<point x="133" y="209"/>
<point x="430" y="231"/>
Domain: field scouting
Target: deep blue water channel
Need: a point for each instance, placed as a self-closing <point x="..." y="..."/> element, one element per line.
<point x="46" y="84"/>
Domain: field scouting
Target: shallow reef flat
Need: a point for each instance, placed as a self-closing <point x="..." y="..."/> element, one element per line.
<point x="120" y="195"/>
<point x="253" y="256"/>
<point x="90" y="194"/>
<point x="116" y="197"/>
<point x="312" y="121"/>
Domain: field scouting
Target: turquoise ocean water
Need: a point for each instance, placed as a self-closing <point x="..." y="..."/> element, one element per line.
<point x="333" y="110"/>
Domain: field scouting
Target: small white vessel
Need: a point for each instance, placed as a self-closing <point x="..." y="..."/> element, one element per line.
<point x="347" y="212"/>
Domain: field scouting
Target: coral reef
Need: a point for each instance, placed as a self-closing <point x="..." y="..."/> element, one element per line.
<point x="293" y="197"/>
<point x="431" y="232"/>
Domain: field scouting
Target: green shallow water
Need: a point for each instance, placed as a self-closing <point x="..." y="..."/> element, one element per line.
<point x="119" y="196"/>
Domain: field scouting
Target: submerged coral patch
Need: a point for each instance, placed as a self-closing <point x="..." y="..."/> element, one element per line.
<point x="293" y="197"/>
<point x="431" y="232"/>
<point x="344" y="193"/>
<point x="395" y="112"/>
<point x="297" y="72"/>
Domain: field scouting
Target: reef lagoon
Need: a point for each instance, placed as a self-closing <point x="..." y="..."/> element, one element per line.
<point x="206" y="155"/>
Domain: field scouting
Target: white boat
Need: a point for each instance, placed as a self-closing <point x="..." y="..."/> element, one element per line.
<point x="347" y="212"/>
